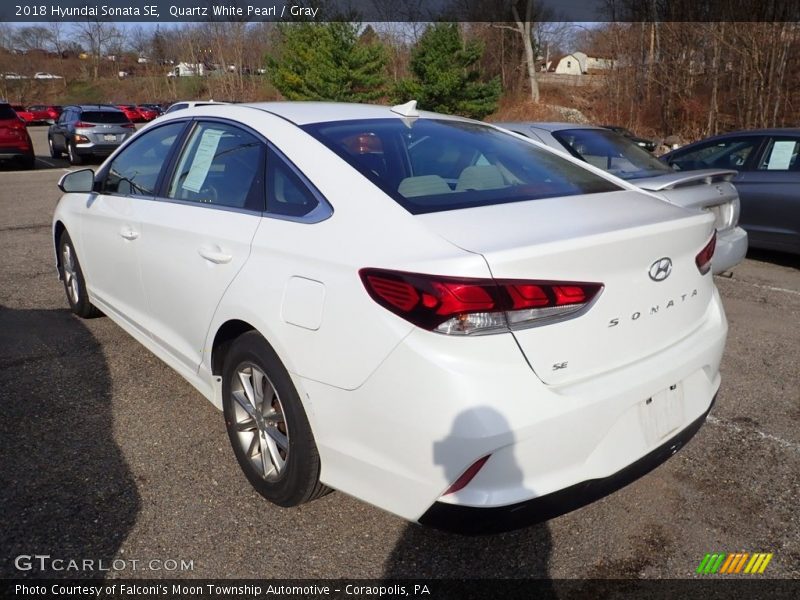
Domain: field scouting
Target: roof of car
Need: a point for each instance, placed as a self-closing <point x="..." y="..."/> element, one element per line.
<point x="304" y="113"/>
<point x="100" y="107"/>
<point x="767" y="131"/>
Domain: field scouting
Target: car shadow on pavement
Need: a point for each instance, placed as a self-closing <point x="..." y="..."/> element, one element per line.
<point x="783" y="259"/>
<point x="424" y="553"/>
<point x="65" y="488"/>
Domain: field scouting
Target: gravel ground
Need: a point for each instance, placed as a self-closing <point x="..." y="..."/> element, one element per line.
<point x="107" y="454"/>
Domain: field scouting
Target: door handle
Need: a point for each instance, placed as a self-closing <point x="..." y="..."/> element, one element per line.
<point x="215" y="256"/>
<point x="128" y="233"/>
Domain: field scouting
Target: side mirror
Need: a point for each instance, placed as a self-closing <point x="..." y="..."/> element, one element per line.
<point x="77" y="181"/>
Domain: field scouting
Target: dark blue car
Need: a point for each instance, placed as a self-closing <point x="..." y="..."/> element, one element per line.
<point x="768" y="163"/>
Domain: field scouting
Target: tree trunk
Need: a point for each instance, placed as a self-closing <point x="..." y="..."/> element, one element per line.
<point x="524" y="27"/>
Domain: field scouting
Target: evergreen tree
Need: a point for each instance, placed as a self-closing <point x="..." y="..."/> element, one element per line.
<point x="444" y="75"/>
<point x="329" y="61"/>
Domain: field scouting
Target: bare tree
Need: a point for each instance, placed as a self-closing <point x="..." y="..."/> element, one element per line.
<point x="99" y="36"/>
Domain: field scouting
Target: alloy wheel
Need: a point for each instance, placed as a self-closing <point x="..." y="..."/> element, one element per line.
<point x="259" y="421"/>
<point x="70" y="275"/>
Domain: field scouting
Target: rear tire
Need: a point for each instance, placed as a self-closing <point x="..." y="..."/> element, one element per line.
<point x="72" y="154"/>
<point x="74" y="283"/>
<point x="53" y="152"/>
<point x="267" y="426"/>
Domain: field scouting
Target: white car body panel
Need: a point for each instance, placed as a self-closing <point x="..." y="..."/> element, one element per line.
<point x="398" y="412"/>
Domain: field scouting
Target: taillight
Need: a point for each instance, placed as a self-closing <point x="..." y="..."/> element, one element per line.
<point x="467" y="476"/>
<point x="84" y="124"/>
<point x="464" y="306"/>
<point x="703" y="259"/>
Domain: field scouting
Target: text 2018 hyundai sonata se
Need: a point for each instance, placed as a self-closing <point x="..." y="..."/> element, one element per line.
<point x="438" y="317"/>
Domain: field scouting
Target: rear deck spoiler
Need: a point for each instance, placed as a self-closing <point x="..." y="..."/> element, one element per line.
<point x="686" y="178"/>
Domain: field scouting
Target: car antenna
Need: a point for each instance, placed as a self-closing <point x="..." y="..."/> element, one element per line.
<point x="407" y="110"/>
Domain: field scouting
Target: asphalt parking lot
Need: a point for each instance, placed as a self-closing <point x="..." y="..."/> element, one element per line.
<point x="108" y="454"/>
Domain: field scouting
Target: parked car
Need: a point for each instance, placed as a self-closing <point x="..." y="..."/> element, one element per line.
<point x="88" y="130"/>
<point x="708" y="189"/>
<point x="130" y="110"/>
<point x="43" y="75"/>
<point x="183" y="104"/>
<point x="148" y="112"/>
<point x="768" y="180"/>
<point x="506" y="334"/>
<point x="43" y="113"/>
<point x="15" y="142"/>
<point x="649" y="145"/>
<point x="23" y="113"/>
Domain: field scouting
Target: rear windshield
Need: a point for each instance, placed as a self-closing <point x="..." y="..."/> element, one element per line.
<point x="611" y="152"/>
<point x="431" y="165"/>
<point x="6" y="112"/>
<point x="103" y="116"/>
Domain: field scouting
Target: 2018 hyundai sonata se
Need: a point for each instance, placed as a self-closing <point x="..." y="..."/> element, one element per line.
<point x="457" y="325"/>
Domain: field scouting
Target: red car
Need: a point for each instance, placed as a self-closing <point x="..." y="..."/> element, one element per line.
<point x="15" y="143"/>
<point x="134" y="116"/>
<point x="23" y="113"/>
<point x="147" y="113"/>
<point x="45" y="112"/>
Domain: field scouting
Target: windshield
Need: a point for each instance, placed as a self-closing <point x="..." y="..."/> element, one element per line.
<point x="430" y="165"/>
<point x="611" y="152"/>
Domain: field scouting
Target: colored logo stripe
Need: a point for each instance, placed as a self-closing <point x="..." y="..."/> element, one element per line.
<point x="733" y="563"/>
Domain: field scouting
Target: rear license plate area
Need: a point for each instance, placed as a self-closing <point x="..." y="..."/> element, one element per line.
<point x="110" y="138"/>
<point x="662" y="414"/>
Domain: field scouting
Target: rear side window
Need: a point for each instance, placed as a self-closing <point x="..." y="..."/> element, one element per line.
<point x="104" y="116"/>
<point x="287" y="194"/>
<point x="6" y="112"/>
<point x="221" y="165"/>
<point x="431" y="165"/>
<point x="135" y="170"/>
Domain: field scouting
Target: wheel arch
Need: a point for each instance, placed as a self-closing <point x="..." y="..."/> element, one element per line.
<point x="227" y="332"/>
<point x="58" y="230"/>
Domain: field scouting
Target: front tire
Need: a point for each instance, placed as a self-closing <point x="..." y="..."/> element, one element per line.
<point x="74" y="283"/>
<point x="267" y="426"/>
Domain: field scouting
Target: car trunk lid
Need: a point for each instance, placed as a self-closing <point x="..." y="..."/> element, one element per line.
<point x="611" y="238"/>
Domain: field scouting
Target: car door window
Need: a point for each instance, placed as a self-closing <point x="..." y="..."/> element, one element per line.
<point x="135" y="170"/>
<point x="730" y="153"/>
<point x="287" y="193"/>
<point x="221" y="165"/>
<point x="780" y="155"/>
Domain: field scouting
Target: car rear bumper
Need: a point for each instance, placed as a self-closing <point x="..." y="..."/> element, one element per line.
<point x="471" y="520"/>
<point x="97" y="149"/>
<point x="7" y="153"/>
<point x="438" y="404"/>
<point x="731" y="249"/>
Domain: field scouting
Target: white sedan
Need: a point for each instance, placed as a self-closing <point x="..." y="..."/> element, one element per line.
<point x="43" y="75"/>
<point x="459" y="326"/>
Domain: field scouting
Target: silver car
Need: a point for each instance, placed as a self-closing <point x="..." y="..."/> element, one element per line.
<point x="709" y="189"/>
<point x="88" y="130"/>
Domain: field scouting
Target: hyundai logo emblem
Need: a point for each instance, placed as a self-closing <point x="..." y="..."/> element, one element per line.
<point x="660" y="269"/>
